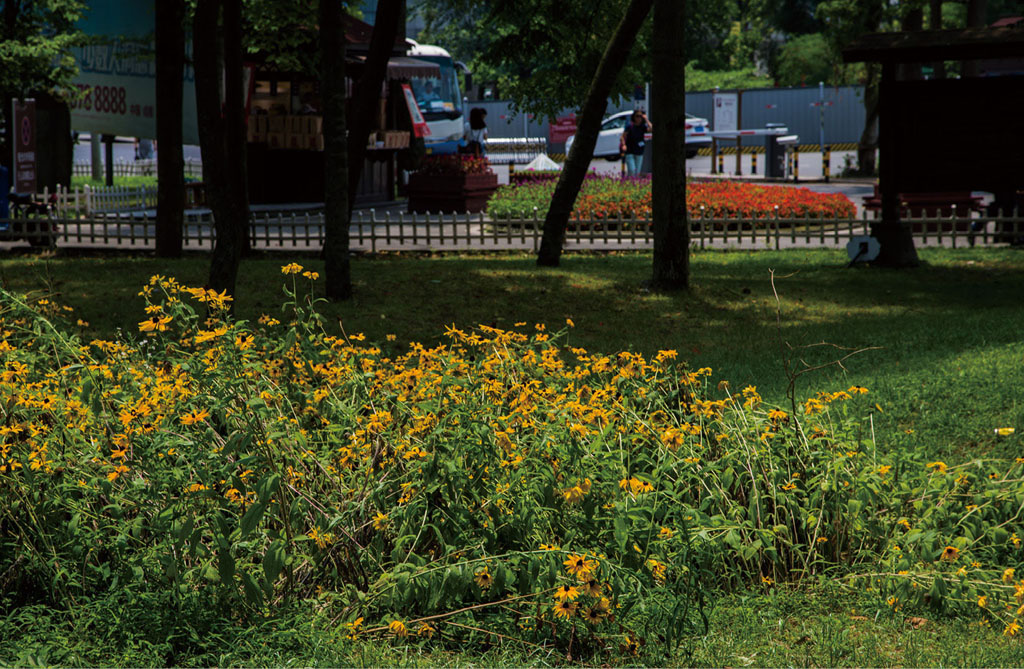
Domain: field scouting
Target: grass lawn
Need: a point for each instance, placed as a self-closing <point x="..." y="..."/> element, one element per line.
<point x="948" y="369"/>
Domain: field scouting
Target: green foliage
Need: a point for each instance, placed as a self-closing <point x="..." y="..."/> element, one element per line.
<point x="804" y="61"/>
<point x="35" y="52"/>
<point x="543" y="53"/>
<point x="701" y="80"/>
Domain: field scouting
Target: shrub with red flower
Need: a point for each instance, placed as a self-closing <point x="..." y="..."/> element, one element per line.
<point x="454" y="164"/>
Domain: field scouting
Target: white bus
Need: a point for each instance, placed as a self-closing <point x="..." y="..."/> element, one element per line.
<point x="439" y="100"/>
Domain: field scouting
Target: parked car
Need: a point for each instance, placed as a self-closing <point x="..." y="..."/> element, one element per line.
<point x="611" y="130"/>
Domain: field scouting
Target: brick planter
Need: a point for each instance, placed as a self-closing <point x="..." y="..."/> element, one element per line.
<point x="459" y="193"/>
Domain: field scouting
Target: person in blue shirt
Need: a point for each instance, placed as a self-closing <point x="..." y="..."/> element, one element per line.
<point x="632" y="142"/>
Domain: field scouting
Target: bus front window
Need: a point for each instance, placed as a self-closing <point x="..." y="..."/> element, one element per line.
<point x="438" y="97"/>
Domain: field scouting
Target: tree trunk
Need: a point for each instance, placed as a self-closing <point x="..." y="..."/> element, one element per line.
<point x="912" y="22"/>
<point x="214" y="143"/>
<point x="235" y="119"/>
<point x="337" y="269"/>
<point x="894" y="238"/>
<point x="868" y="143"/>
<point x="935" y="23"/>
<point x="671" y="223"/>
<point x="575" y="170"/>
<point x="366" y="94"/>
<point x="976" y="10"/>
<point x="170" y="70"/>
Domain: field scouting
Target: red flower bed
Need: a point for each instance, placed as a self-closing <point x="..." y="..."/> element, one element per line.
<point x="604" y="198"/>
<point x="730" y="199"/>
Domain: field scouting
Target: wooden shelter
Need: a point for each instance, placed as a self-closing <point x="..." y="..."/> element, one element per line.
<point x="944" y="135"/>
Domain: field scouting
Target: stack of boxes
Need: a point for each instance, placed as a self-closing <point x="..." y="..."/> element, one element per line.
<point x="282" y="131"/>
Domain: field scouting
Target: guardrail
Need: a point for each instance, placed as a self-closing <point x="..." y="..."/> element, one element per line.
<point x="460" y="232"/>
<point x="515" y="150"/>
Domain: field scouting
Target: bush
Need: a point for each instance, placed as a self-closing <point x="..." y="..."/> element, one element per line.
<point x="604" y="198"/>
<point x="506" y="482"/>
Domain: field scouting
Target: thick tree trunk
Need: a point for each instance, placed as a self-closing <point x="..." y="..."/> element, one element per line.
<point x="214" y="144"/>
<point x="976" y="10"/>
<point x="575" y="170"/>
<point x="935" y="23"/>
<point x="894" y="238"/>
<point x="868" y="143"/>
<point x="366" y="94"/>
<point x="235" y="120"/>
<point x="912" y="22"/>
<point x="337" y="269"/>
<point x="170" y="69"/>
<point x="671" y="225"/>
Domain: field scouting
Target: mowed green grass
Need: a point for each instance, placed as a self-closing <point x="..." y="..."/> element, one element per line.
<point x="946" y="367"/>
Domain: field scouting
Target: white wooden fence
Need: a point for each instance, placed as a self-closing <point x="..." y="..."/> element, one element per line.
<point x="374" y="232"/>
<point x="135" y="168"/>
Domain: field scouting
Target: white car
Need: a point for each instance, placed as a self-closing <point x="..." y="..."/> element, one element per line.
<point x="611" y="130"/>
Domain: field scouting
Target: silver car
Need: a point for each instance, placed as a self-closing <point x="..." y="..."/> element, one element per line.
<point x="611" y="130"/>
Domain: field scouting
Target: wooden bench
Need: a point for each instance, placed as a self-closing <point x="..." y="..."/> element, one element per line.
<point x="930" y="205"/>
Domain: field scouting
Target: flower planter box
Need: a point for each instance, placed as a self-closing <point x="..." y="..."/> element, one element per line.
<point x="460" y="193"/>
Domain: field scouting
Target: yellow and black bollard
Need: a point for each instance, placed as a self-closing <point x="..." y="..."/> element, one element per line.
<point x="721" y="161"/>
<point x="796" y="164"/>
<point x="826" y="161"/>
<point x="511" y="170"/>
<point x="753" y="162"/>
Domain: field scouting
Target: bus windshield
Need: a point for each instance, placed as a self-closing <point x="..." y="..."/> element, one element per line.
<point x="438" y="97"/>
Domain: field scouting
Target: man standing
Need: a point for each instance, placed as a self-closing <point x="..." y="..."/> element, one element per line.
<point x="632" y="142"/>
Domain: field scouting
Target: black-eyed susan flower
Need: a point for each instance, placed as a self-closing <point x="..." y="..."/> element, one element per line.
<point x="484" y="579"/>
<point x="593" y="588"/>
<point x="594" y="616"/>
<point x="579" y="566"/>
<point x="156" y="323"/>
<point x="564" y="609"/>
<point x="566" y="593"/>
<point x="1008" y="575"/>
<point x="950" y="553"/>
<point x="291" y="268"/>
<point x="397" y="627"/>
<point x="193" y="417"/>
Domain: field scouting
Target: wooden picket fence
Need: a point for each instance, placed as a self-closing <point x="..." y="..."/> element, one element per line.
<point x="373" y="232"/>
<point x="134" y="168"/>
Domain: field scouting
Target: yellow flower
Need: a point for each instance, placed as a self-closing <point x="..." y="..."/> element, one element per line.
<point x="484" y="579"/>
<point x="950" y="554"/>
<point x="579" y="566"/>
<point x="982" y="601"/>
<point x="937" y="466"/>
<point x="564" y="609"/>
<point x="380" y="521"/>
<point x="397" y="627"/>
<point x="293" y="268"/>
<point x="568" y="321"/>
<point x="1012" y="628"/>
<point x="1008" y="575"/>
<point x="425" y="630"/>
<point x="892" y="601"/>
<point x="884" y="469"/>
<point x="155" y="324"/>
<point x="665" y="533"/>
<point x="594" y="616"/>
<point x="312" y="276"/>
<point x="566" y="593"/>
<point x="194" y="417"/>
<point x="593" y="588"/>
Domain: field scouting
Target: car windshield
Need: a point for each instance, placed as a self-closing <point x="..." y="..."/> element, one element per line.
<point x="438" y="97"/>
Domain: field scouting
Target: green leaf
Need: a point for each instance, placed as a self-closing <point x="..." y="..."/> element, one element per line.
<point x="251" y="519"/>
<point x="273" y="561"/>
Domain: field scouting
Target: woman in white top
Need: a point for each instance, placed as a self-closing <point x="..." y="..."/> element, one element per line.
<point x="476" y="136"/>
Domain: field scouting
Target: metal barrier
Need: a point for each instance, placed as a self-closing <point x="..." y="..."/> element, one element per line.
<point x="515" y="150"/>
